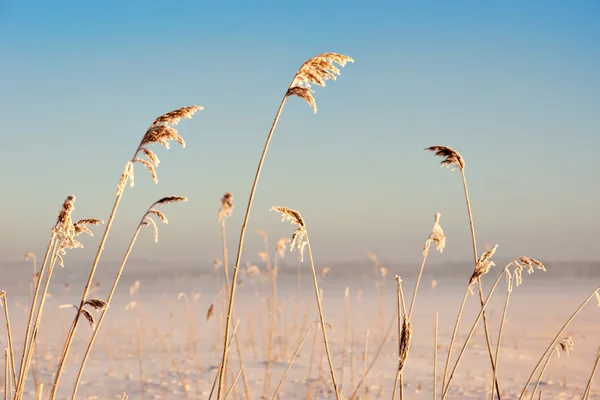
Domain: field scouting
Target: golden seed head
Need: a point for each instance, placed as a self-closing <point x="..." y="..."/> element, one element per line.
<point x="316" y="71"/>
<point x="299" y="237"/>
<point x="282" y="246"/>
<point x="450" y="156"/>
<point x="173" y="117"/>
<point x="404" y="347"/>
<point x="483" y="265"/>
<point x="566" y="345"/>
<point x="226" y="206"/>
<point x="437" y="236"/>
<point x="324" y="271"/>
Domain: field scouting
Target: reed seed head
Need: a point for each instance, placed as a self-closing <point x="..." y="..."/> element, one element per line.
<point x="226" y="206"/>
<point x="29" y="256"/>
<point x="450" y="157"/>
<point x="210" y="312"/>
<point x="96" y="304"/>
<point x="316" y="71"/>
<point x="282" y="246"/>
<point x="437" y="236"/>
<point x="90" y="318"/>
<point x="483" y="265"/>
<point x="404" y="346"/>
<point x="598" y="296"/>
<point x="566" y="345"/>
<point x="299" y="237"/>
<point x="173" y="117"/>
<point x="524" y="263"/>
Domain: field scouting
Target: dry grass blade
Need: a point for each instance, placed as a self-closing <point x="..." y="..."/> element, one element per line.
<point x="450" y="156"/>
<point x="316" y="71"/>
<point x="588" y="387"/>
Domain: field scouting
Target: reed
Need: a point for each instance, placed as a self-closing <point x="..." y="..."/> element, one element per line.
<point x="300" y="241"/>
<point x="11" y="352"/>
<point x="345" y="339"/>
<point x="595" y="293"/>
<point x="316" y="71"/>
<point x="147" y="221"/>
<point x="435" y="355"/>
<point x="566" y="345"/>
<point x="162" y="132"/>
<point x="404" y="336"/>
<point x="280" y="384"/>
<point x="483" y="267"/>
<point x="588" y="387"/>
<point x="452" y="159"/>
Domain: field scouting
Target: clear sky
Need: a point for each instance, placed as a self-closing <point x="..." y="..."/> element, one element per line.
<point x="514" y="86"/>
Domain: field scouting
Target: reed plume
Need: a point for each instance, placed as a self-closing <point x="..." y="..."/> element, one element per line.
<point x="452" y="159"/>
<point x="518" y="267"/>
<point x="161" y="133"/>
<point x="565" y="345"/>
<point x="314" y="71"/>
<point x="146" y="220"/>
<point x="63" y="238"/>
<point x="300" y="241"/>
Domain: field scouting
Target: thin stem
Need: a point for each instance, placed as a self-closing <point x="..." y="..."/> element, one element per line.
<point x="322" y="319"/>
<point x="588" y="387"/>
<point x="397" y="381"/>
<point x="383" y="342"/>
<point x="234" y="382"/>
<point x="365" y="371"/>
<point x="453" y="338"/>
<point x="240" y="247"/>
<point x="31" y="347"/>
<point x="464" y="348"/>
<point x="33" y="308"/>
<point x="537" y="384"/>
<point x="6" y="375"/>
<point x="88" y="285"/>
<point x="221" y="366"/>
<point x="551" y="345"/>
<point x="11" y="350"/>
<point x="476" y="259"/>
<point x="435" y="346"/>
<point x="292" y="361"/>
<point x="425" y="253"/>
<point x="346" y="314"/>
<point x="108" y="300"/>
<point x="500" y="337"/>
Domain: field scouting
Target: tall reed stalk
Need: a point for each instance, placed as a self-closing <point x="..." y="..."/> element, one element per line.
<point x="483" y="267"/>
<point x="10" y="349"/>
<point x="314" y="71"/>
<point x="159" y="132"/>
<point x="565" y="344"/>
<point x="588" y="387"/>
<point x="146" y="220"/>
<point x="453" y="159"/>
<point x="595" y="293"/>
<point x="300" y="240"/>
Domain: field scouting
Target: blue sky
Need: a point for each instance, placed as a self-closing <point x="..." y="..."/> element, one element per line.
<point x="513" y="86"/>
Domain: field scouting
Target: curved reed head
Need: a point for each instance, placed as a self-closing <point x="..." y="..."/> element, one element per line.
<point x="437" y="236"/>
<point x="148" y="221"/>
<point x="566" y="345"/>
<point x="316" y="71"/>
<point x="159" y="132"/>
<point x="299" y="237"/>
<point x="450" y="157"/>
<point x="404" y="345"/>
<point x="226" y="206"/>
<point x="483" y="265"/>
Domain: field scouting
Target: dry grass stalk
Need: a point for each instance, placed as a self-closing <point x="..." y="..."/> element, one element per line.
<point x="435" y="351"/>
<point x="437" y="236"/>
<point x="7" y="389"/>
<point x="452" y="159"/>
<point x="144" y="221"/>
<point x="300" y="240"/>
<point x="310" y="365"/>
<point x="214" y="385"/>
<point x="565" y="345"/>
<point x="554" y="340"/>
<point x="588" y="387"/>
<point x="232" y="388"/>
<point x="65" y="232"/>
<point x="375" y="357"/>
<point x="315" y="70"/>
<point x="159" y="132"/>
<point x="479" y="316"/>
<point x="345" y="339"/>
<point x="280" y="384"/>
<point x="365" y="371"/>
<point x="404" y="336"/>
<point x="11" y="351"/>
<point x="34" y="362"/>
